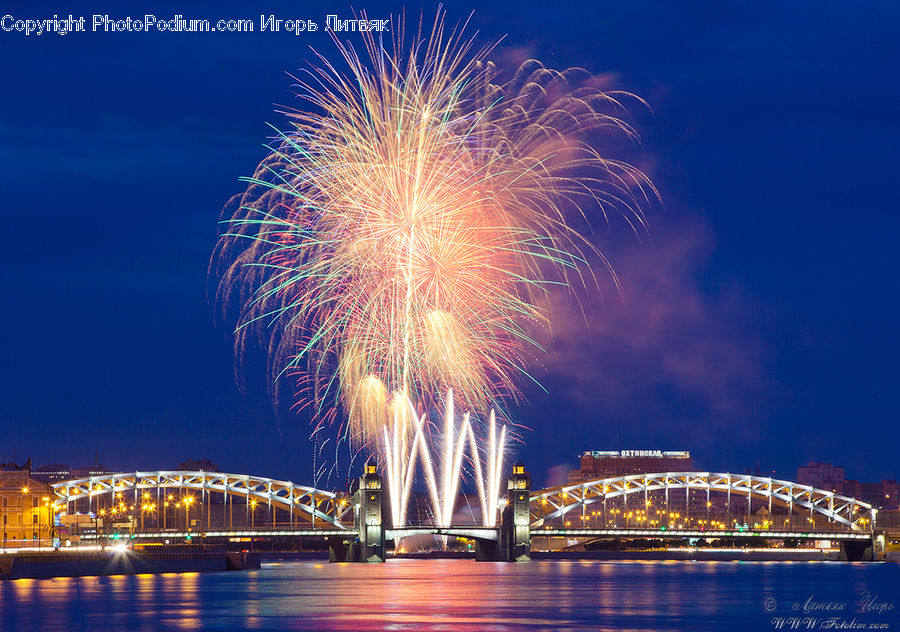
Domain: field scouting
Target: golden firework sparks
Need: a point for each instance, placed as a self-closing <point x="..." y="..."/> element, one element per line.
<point x="397" y="241"/>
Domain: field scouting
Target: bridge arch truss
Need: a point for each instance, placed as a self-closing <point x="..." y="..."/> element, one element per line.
<point x="319" y="505"/>
<point x="556" y="502"/>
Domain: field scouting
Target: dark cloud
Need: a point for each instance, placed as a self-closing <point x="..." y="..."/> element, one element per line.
<point x="663" y="334"/>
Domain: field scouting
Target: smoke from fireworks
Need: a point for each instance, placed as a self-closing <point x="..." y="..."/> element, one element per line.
<point x="397" y="241"/>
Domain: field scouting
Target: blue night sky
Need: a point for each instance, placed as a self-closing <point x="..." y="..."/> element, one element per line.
<point x="760" y="324"/>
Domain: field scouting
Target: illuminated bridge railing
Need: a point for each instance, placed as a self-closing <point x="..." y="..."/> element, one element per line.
<point x="570" y="532"/>
<point x="462" y="531"/>
<point x="176" y="534"/>
<point x="828" y="509"/>
<point x="319" y="505"/>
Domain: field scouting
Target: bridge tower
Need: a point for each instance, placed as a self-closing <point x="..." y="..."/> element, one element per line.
<point x="516" y="527"/>
<point x="368" y="498"/>
<point x="514" y="537"/>
<point x="366" y="542"/>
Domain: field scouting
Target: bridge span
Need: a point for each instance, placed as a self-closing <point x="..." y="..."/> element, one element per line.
<point x="155" y="505"/>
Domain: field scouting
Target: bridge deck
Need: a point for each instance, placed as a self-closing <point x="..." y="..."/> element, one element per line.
<point x="236" y="533"/>
<point x="488" y="533"/>
<point x="474" y="532"/>
<point x="697" y="533"/>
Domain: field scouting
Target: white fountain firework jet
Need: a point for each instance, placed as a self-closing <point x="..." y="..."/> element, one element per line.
<point x="405" y="445"/>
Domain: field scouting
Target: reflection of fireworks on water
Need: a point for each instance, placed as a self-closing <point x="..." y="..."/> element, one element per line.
<point x="398" y="239"/>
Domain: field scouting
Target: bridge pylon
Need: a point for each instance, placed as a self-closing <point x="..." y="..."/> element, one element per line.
<point x="514" y="541"/>
<point x="366" y="542"/>
<point x="858" y="550"/>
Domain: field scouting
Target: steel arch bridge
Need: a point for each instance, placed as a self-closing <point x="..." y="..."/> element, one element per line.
<point x="325" y="506"/>
<point x="556" y="502"/>
<point x="331" y="511"/>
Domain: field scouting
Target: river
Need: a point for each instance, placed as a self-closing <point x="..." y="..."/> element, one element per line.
<point x="457" y="595"/>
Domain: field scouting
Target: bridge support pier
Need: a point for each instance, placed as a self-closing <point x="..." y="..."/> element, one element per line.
<point x="514" y="542"/>
<point x="366" y="543"/>
<point x="858" y="550"/>
<point x="489" y="551"/>
<point x="343" y="549"/>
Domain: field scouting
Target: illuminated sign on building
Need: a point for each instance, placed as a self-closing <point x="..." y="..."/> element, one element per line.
<point x="599" y="464"/>
<point x="683" y="454"/>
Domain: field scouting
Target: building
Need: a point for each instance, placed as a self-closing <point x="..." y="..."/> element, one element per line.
<point x="51" y="473"/>
<point x="25" y="508"/>
<point x="884" y="494"/>
<point x="198" y="465"/>
<point x="92" y="470"/>
<point x="890" y="493"/>
<point x="612" y="463"/>
<point x="822" y="475"/>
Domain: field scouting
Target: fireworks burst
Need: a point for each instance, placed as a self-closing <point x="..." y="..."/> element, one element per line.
<point x="397" y="241"/>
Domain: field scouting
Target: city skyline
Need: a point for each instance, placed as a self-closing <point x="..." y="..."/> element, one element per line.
<point x="881" y="491"/>
<point x="758" y="322"/>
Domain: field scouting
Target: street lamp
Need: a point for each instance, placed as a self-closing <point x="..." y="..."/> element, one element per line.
<point x="46" y="500"/>
<point x="252" y="513"/>
<point x="169" y="499"/>
<point x="187" y="511"/>
<point x="144" y="505"/>
<point x="105" y="526"/>
<point x="144" y="509"/>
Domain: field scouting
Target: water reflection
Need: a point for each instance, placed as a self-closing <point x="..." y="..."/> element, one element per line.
<point x="440" y="595"/>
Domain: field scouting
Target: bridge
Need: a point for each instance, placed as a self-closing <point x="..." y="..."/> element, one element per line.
<point x="138" y="492"/>
<point x="155" y="505"/>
